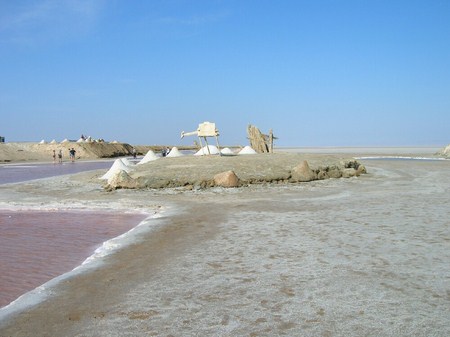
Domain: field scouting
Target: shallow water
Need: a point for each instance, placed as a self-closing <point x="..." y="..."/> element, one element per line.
<point x="13" y="173"/>
<point x="36" y="246"/>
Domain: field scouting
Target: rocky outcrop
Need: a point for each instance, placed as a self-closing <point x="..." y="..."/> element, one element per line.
<point x="197" y="172"/>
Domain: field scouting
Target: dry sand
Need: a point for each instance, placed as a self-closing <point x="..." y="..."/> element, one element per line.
<point x="339" y="257"/>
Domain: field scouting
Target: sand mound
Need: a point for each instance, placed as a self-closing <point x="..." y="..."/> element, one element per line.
<point x="247" y="150"/>
<point x="175" y="152"/>
<point x="150" y="156"/>
<point x="118" y="166"/>
<point x="204" y="150"/>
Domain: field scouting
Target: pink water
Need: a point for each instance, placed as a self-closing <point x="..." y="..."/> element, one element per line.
<point x="36" y="246"/>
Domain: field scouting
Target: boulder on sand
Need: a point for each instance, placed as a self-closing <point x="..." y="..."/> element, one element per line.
<point x="303" y="173"/>
<point x="226" y="179"/>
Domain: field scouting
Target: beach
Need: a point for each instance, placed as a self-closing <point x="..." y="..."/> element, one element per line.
<point x="363" y="256"/>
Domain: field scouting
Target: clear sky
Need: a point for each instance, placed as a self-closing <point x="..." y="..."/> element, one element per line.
<point x="317" y="72"/>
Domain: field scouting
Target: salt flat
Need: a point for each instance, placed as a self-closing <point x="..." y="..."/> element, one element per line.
<point x="339" y="257"/>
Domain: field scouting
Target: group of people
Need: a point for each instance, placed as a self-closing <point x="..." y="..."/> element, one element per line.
<point x="72" y="153"/>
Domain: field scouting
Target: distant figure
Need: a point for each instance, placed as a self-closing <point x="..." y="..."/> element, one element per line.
<point x="54" y="156"/>
<point x="134" y="153"/>
<point x="165" y="151"/>
<point x="72" y="154"/>
<point x="60" y="156"/>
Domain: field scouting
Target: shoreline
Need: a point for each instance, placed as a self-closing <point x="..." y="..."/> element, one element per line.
<point x="109" y="246"/>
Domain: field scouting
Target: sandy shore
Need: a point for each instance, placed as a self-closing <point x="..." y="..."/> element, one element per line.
<point x="338" y="257"/>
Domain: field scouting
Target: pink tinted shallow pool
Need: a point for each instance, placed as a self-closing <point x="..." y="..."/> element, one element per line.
<point x="13" y="173"/>
<point x="36" y="246"/>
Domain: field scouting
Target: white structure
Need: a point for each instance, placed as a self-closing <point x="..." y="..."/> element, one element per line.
<point x="205" y="129"/>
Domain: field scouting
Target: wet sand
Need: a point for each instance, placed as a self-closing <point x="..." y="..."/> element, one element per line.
<point x="365" y="256"/>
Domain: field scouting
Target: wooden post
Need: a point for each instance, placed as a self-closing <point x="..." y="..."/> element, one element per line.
<point x="270" y="141"/>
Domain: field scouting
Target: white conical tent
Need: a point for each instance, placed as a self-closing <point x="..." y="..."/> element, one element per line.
<point x="150" y="156"/>
<point x="42" y="141"/>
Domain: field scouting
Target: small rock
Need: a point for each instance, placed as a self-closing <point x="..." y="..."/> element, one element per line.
<point x="361" y="170"/>
<point x="322" y="175"/>
<point x="303" y="173"/>
<point x="348" y="173"/>
<point x="226" y="179"/>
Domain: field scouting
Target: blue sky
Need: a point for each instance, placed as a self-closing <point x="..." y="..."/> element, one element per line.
<point x="319" y="73"/>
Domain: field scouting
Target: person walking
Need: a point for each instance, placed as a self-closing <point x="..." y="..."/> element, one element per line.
<point x="60" y="156"/>
<point x="72" y="153"/>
